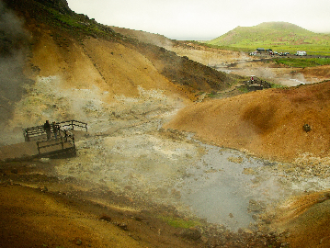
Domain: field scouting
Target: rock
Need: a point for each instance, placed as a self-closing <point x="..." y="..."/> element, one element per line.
<point x="44" y="189"/>
<point x="78" y="241"/>
<point x="216" y="241"/>
<point x="255" y="217"/>
<point x="123" y="226"/>
<point x="268" y="163"/>
<point x="249" y="171"/>
<point x="247" y="231"/>
<point x="267" y="220"/>
<point x="191" y="233"/>
<point x="237" y="160"/>
<point x="61" y="5"/>
<point x="323" y="198"/>
<point x="307" y="128"/>
<point x="44" y="160"/>
<point x="255" y="206"/>
<point x="176" y="194"/>
<point x="139" y="218"/>
<point x="105" y="217"/>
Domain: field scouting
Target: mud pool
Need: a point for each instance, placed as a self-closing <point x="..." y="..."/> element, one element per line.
<point x="219" y="190"/>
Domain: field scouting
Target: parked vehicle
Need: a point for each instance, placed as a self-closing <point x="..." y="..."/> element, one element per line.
<point x="283" y="53"/>
<point x="301" y="53"/>
<point x="260" y="50"/>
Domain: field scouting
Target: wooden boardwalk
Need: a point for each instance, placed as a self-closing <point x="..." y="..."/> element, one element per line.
<point x="37" y="145"/>
<point x="29" y="150"/>
<point x="18" y="151"/>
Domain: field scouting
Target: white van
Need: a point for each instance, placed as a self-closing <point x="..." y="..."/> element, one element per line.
<point x="301" y="53"/>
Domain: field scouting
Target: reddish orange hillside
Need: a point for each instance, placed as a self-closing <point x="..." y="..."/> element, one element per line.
<point x="266" y="123"/>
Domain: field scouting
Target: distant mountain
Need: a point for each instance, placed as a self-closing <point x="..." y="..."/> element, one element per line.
<point x="270" y="34"/>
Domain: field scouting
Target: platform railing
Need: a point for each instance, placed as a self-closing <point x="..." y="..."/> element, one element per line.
<point x="37" y="131"/>
<point x="72" y="124"/>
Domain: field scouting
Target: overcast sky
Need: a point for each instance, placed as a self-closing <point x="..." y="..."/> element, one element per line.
<point x="203" y="19"/>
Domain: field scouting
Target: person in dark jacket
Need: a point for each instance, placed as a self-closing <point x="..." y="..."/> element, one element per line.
<point x="56" y="129"/>
<point x="47" y="129"/>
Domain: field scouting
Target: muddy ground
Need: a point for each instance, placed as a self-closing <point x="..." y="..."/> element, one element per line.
<point x="131" y="185"/>
<point x="136" y="184"/>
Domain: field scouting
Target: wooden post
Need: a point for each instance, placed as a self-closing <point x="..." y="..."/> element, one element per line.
<point x="38" y="147"/>
<point x="27" y="137"/>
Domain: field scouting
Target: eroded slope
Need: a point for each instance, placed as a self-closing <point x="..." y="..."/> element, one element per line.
<point x="267" y="123"/>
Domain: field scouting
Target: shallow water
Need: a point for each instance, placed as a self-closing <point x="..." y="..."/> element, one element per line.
<point x="218" y="189"/>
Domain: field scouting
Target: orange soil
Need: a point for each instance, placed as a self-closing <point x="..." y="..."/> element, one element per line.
<point x="307" y="220"/>
<point x="266" y="123"/>
<point x="32" y="218"/>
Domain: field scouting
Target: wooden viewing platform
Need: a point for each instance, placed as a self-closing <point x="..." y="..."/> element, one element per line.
<point x="36" y="144"/>
<point x="38" y="133"/>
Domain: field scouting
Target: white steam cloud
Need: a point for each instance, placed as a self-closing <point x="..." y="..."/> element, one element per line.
<point x="13" y="44"/>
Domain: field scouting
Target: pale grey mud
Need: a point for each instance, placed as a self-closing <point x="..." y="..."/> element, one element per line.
<point x="219" y="191"/>
<point x="128" y="152"/>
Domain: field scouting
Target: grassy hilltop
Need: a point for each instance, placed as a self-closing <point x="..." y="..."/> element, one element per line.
<point x="280" y="36"/>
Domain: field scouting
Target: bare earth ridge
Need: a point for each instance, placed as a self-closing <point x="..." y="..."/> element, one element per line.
<point x="266" y="123"/>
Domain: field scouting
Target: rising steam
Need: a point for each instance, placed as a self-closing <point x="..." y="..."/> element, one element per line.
<point x="13" y="44"/>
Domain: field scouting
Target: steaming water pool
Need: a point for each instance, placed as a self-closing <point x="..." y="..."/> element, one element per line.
<point x="220" y="191"/>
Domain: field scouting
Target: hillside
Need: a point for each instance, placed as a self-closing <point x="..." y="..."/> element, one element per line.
<point x="271" y="35"/>
<point x="55" y="45"/>
<point x="267" y="124"/>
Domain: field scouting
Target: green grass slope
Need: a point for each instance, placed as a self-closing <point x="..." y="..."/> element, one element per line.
<point x="281" y="36"/>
